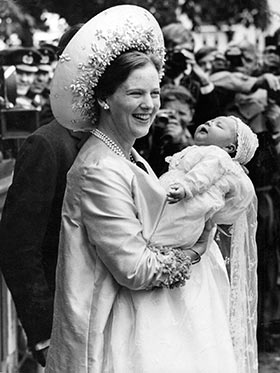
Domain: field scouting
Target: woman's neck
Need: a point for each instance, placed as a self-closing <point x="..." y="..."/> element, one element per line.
<point x="116" y="137"/>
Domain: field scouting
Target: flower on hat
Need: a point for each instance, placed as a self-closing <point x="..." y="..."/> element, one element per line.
<point x="127" y="37"/>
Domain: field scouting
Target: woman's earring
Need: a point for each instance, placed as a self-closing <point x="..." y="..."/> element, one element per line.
<point x="106" y="106"/>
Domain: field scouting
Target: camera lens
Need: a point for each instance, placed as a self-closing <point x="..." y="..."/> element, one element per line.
<point x="163" y="119"/>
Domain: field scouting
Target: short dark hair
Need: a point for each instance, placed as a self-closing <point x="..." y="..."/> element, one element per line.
<point x="176" y="33"/>
<point x="204" y="51"/>
<point x="171" y="92"/>
<point x="118" y="71"/>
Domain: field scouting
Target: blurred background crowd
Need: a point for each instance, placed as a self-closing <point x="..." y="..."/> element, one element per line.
<point x="208" y="73"/>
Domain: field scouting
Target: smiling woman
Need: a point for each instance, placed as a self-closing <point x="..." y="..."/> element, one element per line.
<point x="129" y="105"/>
<point x="107" y="82"/>
<point x="122" y="303"/>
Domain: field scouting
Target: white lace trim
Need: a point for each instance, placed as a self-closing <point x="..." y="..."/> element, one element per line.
<point x="243" y="300"/>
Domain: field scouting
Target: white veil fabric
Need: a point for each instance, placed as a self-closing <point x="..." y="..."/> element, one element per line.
<point x="243" y="294"/>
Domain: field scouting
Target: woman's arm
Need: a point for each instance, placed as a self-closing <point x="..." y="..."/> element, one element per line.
<point x="111" y="205"/>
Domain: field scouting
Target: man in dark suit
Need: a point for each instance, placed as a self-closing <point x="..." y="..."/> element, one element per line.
<point x="30" y="225"/>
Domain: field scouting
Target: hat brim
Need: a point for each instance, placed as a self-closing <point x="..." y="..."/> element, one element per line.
<point x="27" y="68"/>
<point x="45" y="68"/>
<point x="73" y="62"/>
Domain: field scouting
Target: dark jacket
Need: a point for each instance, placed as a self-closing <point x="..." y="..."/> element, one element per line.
<point x="30" y="224"/>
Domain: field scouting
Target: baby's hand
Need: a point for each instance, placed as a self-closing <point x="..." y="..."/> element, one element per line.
<point x="175" y="193"/>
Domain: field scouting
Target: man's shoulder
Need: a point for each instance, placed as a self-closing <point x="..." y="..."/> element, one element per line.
<point x="51" y="130"/>
<point x="56" y="132"/>
<point x="55" y="136"/>
<point x="51" y="141"/>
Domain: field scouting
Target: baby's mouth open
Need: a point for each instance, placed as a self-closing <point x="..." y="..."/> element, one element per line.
<point x="203" y="130"/>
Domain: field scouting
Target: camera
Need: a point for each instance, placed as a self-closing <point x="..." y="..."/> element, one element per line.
<point x="234" y="56"/>
<point x="164" y="116"/>
<point x="220" y="63"/>
<point x="177" y="62"/>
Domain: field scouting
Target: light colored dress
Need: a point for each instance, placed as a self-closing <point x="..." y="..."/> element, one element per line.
<point x="218" y="188"/>
<point x="111" y="313"/>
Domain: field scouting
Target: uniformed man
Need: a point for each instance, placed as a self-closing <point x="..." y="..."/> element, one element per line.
<point x="26" y="61"/>
<point x="39" y="90"/>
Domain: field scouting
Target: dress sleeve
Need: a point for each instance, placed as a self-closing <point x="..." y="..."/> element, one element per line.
<point x="113" y="223"/>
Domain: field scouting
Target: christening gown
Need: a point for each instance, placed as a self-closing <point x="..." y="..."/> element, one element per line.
<point x="217" y="188"/>
<point x="108" y="316"/>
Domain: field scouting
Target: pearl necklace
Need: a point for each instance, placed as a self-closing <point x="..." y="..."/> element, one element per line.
<point x="111" y="144"/>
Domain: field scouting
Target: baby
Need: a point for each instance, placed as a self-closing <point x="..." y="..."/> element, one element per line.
<point x="208" y="180"/>
<point x="228" y="133"/>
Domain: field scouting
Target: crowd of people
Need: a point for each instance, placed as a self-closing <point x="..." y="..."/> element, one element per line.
<point x="143" y="257"/>
<point x="33" y="74"/>
<point x="241" y="81"/>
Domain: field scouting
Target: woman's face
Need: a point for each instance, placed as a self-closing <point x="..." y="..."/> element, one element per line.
<point x="219" y="131"/>
<point x="135" y="103"/>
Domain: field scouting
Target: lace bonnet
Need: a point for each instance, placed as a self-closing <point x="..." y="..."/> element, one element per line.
<point x="90" y="51"/>
<point x="247" y="142"/>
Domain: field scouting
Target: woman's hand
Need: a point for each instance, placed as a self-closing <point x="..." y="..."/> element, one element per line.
<point x="201" y="245"/>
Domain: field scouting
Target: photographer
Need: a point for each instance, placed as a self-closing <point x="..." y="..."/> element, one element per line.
<point x="271" y="64"/>
<point x="205" y="58"/>
<point x="252" y="88"/>
<point x="242" y="88"/>
<point x="170" y="131"/>
<point x="180" y="44"/>
<point x="271" y="59"/>
<point x="183" y="68"/>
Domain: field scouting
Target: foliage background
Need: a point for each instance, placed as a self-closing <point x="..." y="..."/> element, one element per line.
<point x="24" y="15"/>
<point x="200" y="11"/>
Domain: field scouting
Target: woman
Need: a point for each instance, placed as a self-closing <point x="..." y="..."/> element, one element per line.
<point x="116" y="297"/>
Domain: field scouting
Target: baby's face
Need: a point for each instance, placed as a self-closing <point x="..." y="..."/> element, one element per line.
<point x="219" y="131"/>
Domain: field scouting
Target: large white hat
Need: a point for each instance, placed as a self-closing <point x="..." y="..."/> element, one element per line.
<point x="90" y="51"/>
